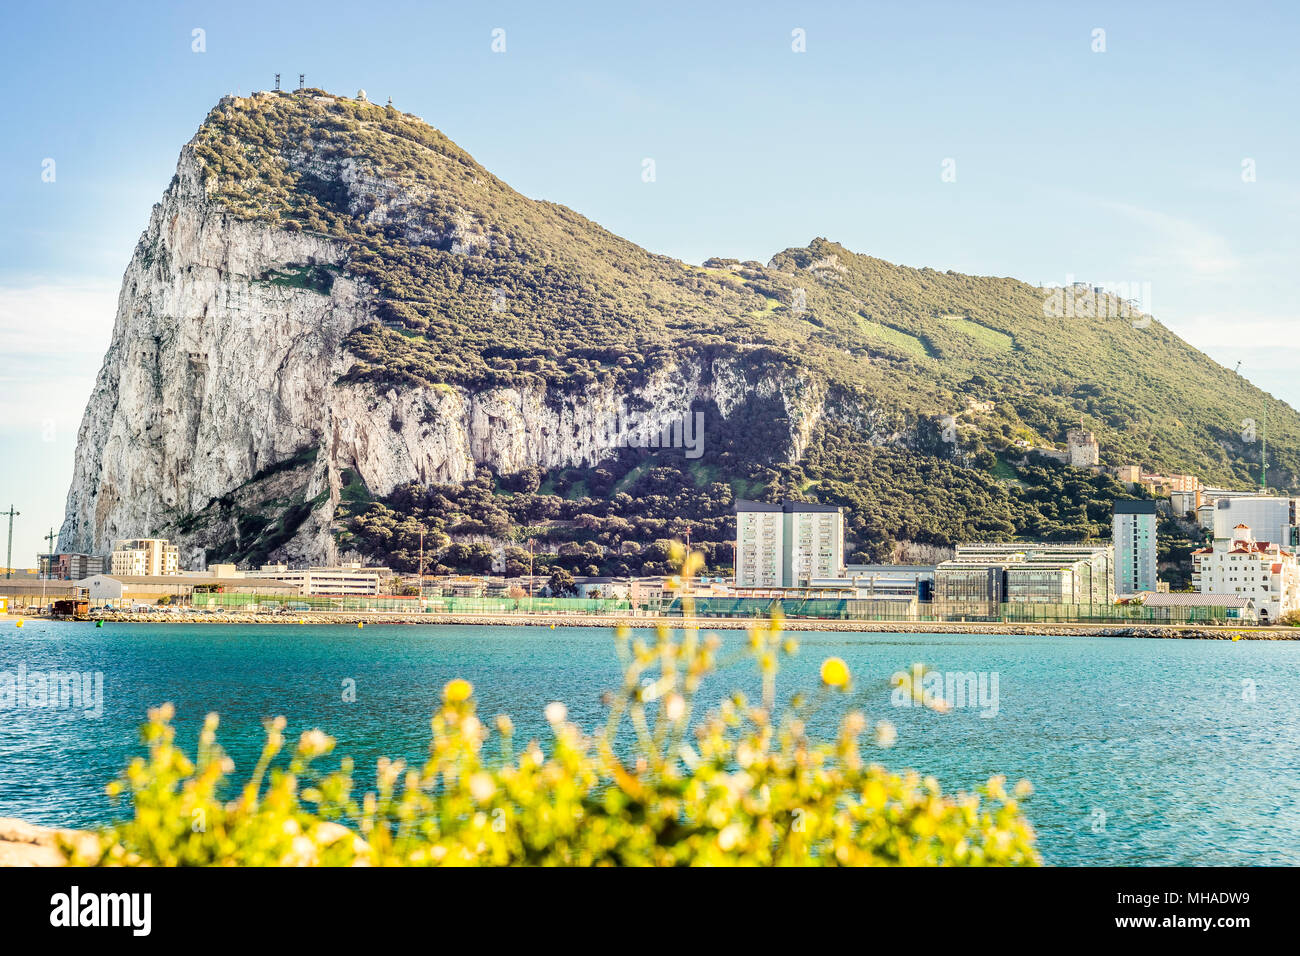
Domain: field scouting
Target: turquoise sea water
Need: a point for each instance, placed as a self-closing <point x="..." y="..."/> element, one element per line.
<point x="1140" y="751"/>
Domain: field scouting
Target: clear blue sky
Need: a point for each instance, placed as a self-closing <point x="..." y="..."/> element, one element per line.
<point x="1118" y="166"/>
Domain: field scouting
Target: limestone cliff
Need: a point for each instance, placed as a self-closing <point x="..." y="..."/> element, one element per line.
<point x="227" y="365"/>
<point x="333" y="300"/>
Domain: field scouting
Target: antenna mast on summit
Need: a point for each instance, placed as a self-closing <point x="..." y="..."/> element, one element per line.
<point x="277" y="82"/>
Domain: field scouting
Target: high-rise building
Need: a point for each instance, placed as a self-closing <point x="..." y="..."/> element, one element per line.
<point x="145" y="557"/>
<point x="1133" y="533"/>
<point x="787" y="544"/>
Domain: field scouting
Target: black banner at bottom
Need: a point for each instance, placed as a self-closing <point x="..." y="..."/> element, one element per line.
<point x="143" y="906"/>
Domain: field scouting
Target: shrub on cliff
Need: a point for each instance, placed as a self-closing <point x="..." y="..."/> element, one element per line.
<point x="740" y="785"/>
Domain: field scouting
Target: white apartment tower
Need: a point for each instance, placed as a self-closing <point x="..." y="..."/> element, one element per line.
<point x="1133" y="533"/>
<point x="787" y="544"/>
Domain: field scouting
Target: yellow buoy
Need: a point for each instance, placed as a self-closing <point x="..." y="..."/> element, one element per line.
<point x="359" y="624"/>
<point x="552" y="627"/>
<point x="20" y="622"/>
<point x="301" y="621"/>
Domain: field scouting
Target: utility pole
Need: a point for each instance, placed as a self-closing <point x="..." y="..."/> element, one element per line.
<point x="48" y="566"/>
<point x="530" y="574"/>
<point x="421" y="564"/>
<point x="9" y="560"/>
<point x="1263" y="456"/>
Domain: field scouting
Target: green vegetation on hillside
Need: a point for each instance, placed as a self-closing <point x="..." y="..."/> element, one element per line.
<point x="476" y="285"/>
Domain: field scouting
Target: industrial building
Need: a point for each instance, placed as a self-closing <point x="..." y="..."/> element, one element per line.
<point x="151" y="588"/>
<point x="980" y="577"/>
<point x="349" y="578"/>
<point x="20" y="594"/>
<point x="1223" y="607"/>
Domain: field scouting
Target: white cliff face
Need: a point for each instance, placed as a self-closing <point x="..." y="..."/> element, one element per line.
<point x="217" y="371"/>
<point x="211" y="373"/>
<point x="438" y="434"/>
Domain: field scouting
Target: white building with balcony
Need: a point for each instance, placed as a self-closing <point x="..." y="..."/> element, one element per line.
<point x="144" y="557"/>
<point x="1240" y="566"/>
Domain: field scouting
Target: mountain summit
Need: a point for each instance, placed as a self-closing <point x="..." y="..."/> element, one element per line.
<point x="338" y="327"/>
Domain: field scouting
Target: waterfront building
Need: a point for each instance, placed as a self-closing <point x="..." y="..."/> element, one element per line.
<point x="972" y="587"/>
<point x="787" y="544"/>
<point x="980" y="577"/>
<point x="1240" y="566"/>
<point x="885" y="580"/>
<point x="1224" y="607"/>
<point x="1133" y="533"/>
<point x="150" y="588"/>
<point x="1270" y="517"/>
<point x="464" y="585"/>
<point x="144" y="557"/>
<point x="349" y="578"/>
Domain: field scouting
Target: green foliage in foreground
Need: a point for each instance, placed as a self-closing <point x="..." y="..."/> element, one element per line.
<point x="741" y="785"/>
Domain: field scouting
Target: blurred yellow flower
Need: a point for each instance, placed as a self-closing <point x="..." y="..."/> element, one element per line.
<point x="835" y="673"/>
<point x="758" y="787"/>
<point x="457" y="691"/>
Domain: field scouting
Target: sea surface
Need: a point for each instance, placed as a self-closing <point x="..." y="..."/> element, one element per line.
<point x="1140" y="751"/>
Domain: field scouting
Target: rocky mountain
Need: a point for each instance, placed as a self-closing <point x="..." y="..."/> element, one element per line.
<point x="334" y="305"/>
